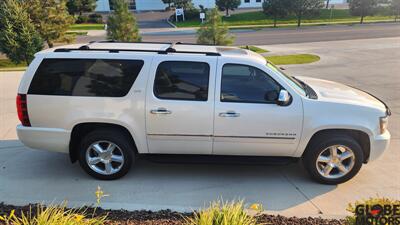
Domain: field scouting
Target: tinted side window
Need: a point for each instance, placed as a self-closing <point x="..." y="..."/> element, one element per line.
<point x="241" y="83"/>
<point x="85" y="77"/>
<point x="182" y="81"/>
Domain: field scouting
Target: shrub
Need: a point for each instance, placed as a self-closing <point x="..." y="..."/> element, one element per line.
<point x="82" y="19"/>
<point x="219" y="213"/>
<point x="55" y="214"/>
<point x="95" y="18"/>
<point x="370" y="203"/>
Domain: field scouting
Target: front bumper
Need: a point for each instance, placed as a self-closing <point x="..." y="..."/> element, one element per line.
<point x="50" y="139"/>
<point x="379" y="144"/>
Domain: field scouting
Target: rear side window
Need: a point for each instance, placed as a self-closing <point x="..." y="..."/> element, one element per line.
<point x="179" y="80"/>
<point x="85" y="77"/>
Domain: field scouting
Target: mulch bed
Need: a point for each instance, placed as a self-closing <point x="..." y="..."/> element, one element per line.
<point x="168" y="217"/>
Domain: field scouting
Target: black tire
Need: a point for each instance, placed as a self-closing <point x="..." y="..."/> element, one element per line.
<point x="120" y="139"/>
<point x="320" y="144"/>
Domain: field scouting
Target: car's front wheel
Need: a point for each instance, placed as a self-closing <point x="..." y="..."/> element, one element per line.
<point x="333" y="159"/>
<point x="106" y="154"/>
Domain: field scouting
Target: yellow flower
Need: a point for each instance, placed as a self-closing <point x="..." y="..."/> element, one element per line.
<point x="2" y="218"/>
<point x="79" y="217"/>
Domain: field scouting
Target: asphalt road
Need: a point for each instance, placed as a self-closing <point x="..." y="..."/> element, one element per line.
<point x="270" y="36"/>
<point x="28" y="175"/>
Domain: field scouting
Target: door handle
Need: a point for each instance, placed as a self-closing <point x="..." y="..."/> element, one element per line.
<point x="160" y="111"/>
<point x="229" y="114"/>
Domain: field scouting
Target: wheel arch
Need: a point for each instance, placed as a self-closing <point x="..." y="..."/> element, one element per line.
<point x="360" y="136"/>
<point x="79" y="131"/>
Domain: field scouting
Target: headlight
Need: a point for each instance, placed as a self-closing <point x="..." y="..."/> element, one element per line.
<point x="383" y="124"/>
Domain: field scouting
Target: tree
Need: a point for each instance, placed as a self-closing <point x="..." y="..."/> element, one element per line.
<point x="51" y="19"/>
<point x="327" y="4"/>
<point x="169" y="2"/>
<point x="18" y="38"/>
<point x="276" y="8"/>
<point x="226" y="5"/>
<point x="395" y="5"/>
<point x="304" y="7"/>
<point x="182" y="3"/>
<point x="362" y="8"/>
<point x="121" y="25"/>
<point x="213" y="31"/>
<point x="80" y="6"/>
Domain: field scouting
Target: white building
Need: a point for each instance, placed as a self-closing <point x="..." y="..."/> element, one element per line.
<point x="139" y="5"/>
<point x="104" y="5"/>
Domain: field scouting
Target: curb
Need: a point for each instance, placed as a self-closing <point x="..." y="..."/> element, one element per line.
<point x="171" y="24"/>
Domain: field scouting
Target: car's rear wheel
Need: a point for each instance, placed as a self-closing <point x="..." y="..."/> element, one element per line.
<point x="333" y="159"/>
<point x="106" y="154"/>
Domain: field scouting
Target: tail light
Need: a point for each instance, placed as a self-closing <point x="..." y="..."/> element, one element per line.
<point x="22" y="109"/>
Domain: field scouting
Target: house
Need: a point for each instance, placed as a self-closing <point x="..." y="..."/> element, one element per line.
<point x="147" y="5"/>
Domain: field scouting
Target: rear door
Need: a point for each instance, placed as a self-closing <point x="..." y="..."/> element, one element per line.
<point x="180" y="104"/>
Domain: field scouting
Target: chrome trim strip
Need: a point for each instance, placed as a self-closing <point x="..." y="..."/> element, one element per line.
<point x="194" y="135"/>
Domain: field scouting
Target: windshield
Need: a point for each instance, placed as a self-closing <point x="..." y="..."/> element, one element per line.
<point x="292" y="81"/>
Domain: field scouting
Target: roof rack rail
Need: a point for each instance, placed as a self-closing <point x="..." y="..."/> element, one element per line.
<point x="170" y="49"/>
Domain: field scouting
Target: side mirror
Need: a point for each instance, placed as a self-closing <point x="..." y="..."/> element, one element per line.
<point x="284" y="98"/>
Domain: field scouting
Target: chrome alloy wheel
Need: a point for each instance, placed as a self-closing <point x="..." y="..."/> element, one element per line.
<point x="335" y="161"/>
<point x="104" y="157"/>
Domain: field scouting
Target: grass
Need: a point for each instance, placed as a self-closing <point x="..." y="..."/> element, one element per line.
<point x="293" y="59"/>
<point x="259" y="18"/>
<point x="254" y="48"/>
<point x="222" y="213"/>
<point x="87" y="26"/>
<point x="78" y="33"/>
<point x="7" y="65"/>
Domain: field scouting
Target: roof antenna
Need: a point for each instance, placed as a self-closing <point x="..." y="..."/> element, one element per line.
<point x="171" y="48"/>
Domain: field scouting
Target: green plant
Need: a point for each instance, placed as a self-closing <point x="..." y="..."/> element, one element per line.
<point x="370" y="202"/>
<point x="292" y="59"/>
<point x="51" y="19"/>
<point x="276" y="8"/>
<point x="53" y="214"/>
<point x="395" y="6"/>
<point x="303" y="7"/>
<point x="80" y="6"/>
<point x="213" y="31"/>
<point x="362" y="8"/>
<point x="121" y="25"/>
<point x="222" y="213"/>
<point x="226" y="5"/>
<point x="82" y="19"/>
<point x="18" y="38"/>
<point x="95" y="18"/>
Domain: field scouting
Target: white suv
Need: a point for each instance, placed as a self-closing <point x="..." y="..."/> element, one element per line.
<point x="106" y="103"/>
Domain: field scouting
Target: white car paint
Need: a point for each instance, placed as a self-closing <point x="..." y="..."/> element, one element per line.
<point x="196" y="127"/>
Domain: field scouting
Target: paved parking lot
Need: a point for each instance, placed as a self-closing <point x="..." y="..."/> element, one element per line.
<point x="374" y="65"/>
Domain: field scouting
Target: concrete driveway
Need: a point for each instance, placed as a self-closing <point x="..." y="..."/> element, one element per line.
<point x="34" y="176"/>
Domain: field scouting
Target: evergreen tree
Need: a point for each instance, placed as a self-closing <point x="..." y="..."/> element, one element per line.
<point x="362" y="8"/>
<point x="169" y="2"/>
<point x="18" y="37"/>
<point x="213" y="31"/>
<point x="226" y="5"/>
<point x="276" y="8"/>
<point x="121" y="25"/>
<point x="51" y="19"/>
<point x="303" y="7"/>
<point x="81" y="6"/>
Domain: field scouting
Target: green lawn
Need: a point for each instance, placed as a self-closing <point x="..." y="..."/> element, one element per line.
<point x="259" y="18"/>
<point x="292" y="59"/>
<point x="87" y="26"/>
<point x="7" y="65"/>
<point x="254" y="49"/>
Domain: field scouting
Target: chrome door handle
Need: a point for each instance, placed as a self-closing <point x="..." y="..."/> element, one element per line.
<point x="229" y="114"/>
<point x="160" y="111"/>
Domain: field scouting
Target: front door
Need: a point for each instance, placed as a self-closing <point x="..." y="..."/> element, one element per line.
<point x="247" y="119"/>
<point x="180" y="105"/>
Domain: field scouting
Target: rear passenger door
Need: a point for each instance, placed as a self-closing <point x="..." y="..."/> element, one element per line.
<point x="180" y="104"/>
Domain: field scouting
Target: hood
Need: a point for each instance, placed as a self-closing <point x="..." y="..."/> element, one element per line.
<point x="340" y="93"/>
